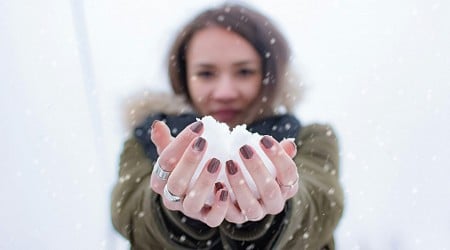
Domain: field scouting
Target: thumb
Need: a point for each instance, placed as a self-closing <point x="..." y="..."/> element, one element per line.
<point x="160" y="135"/>
<point x="289" y="146"/>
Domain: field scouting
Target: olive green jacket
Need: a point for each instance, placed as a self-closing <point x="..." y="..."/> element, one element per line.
<point x="308" y="221"/>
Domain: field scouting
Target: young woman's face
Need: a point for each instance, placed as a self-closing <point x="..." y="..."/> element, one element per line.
<point x="224" y="74"/>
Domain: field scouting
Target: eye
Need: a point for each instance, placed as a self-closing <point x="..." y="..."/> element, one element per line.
<point x="205" y="74"/>
<point x="245" y="72"/>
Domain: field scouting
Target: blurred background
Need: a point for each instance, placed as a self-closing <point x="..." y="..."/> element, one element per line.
<point x="378" y="71"/>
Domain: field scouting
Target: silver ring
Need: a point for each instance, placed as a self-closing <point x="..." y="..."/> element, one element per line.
<point x="289" y="186"/>
<point x="170" y="196"/>
<point x="161" y="173"/>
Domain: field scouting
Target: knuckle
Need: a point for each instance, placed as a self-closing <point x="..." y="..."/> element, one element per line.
<point x="191" y="159"/>
<point x="252" y="213"/>
<point x="270" y="190"/>
<point x="189" y="213"/>
<point x="290" y="172"/>
<point x="213" y="223"/>
<point x="290" y="193"/>
<point x="232" y="219"/>
<point x="204" y="183"/>
<point x="191" y="204"/>
<point x="276" y="208"/>
<point x="169" y="205"/>
<point x="156" y="186"/>
<point x="167" y="162"/>
<point x="179" y="188"/>
<point x="256" y="166"/>
<point x="292" y="169"/>
<point x="188" y="208"/>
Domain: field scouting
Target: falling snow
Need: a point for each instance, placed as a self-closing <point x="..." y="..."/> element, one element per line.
<point x="388" y="105"/>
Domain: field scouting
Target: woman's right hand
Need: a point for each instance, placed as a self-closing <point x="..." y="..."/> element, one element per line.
<point x="180" y="156"/>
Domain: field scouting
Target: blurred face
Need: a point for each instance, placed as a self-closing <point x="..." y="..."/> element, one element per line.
<point x="224" y="75"/>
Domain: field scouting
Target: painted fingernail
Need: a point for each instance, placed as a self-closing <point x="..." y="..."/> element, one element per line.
<point x="266" y="142"/>
<point x="218" y="186"/>
<point x="213" y="165"/>
<point x="154" y="123"/>
<point x="293" y="144"/>
<point x="223" y="195"/>
<point x="197" y="126"/>
<point x="246" y="151"/>
<point x="231" y="167"/>
<point x="199" y="144"/>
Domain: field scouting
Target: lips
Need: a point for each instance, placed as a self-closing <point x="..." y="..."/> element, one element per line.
<point x="225" y="115"/>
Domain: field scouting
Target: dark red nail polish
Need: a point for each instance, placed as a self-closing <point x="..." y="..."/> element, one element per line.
<point x="223" y="195"/>
<point x="197" y="126"/>
<point x="246" y="151"/>
<point x="266" y="142"/>
<point x="199" y="144"/>
<point x="218" y="186"/>
<point x="231" y="167"/>
<point x="213" y="165"/>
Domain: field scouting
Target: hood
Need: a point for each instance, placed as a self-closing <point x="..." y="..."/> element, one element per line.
<point x="140" y="105"/>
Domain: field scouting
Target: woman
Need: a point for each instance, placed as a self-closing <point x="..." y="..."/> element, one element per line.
<point x="230" y="63"/>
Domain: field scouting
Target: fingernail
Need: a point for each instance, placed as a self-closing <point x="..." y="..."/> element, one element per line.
<point x="197" y="126"/>
<point x="266" y="142"/>
<point x="218" y="186"/>
<point x="199" y="144"/>
<point x="213" y="165"/>
<point x="154" y="123"/>
<point x="223" y="195"/>
<point x="231" y="168"/>
<point x="293" y="144"/>
<point x="246" y="151"/>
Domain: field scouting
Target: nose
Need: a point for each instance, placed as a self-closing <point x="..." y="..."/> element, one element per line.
<point x="225" y="89"/>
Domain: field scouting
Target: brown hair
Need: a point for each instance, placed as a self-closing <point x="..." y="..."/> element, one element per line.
<point x="256" y="28"/>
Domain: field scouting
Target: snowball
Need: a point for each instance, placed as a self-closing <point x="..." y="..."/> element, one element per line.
<point x="224" y="144"/>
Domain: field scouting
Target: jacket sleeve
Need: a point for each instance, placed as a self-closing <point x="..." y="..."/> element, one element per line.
<point x="138" y="214"/>
<point x="318" y="205"/>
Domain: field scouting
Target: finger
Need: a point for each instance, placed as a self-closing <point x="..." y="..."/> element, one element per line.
<point x="160" y="135"/>
<point x="286" y="168"/>
<point x="156" y="183"/>
<point x="234" y="214"/>
<point x="217" y="213"/>
<point x="268" y="188"/>
<point x="181" y="176"/>
<point x="199" y="192"/>
<point x="248" y="203"/>
<point x="175" y="206"/>
<point x="172" y="153"/>
<point x="289" y="146"/>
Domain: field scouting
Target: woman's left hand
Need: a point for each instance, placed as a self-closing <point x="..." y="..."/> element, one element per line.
<point x="273" y="191"/>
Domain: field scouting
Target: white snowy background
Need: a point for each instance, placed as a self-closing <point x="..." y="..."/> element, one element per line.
<point x="378" y="71"/>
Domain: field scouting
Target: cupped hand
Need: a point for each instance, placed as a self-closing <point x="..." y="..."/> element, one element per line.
<point x="273" y="191"/>
<point x="181" y="156"/>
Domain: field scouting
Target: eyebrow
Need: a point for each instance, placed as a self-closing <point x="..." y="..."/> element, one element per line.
<point x="239" y="63"/>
